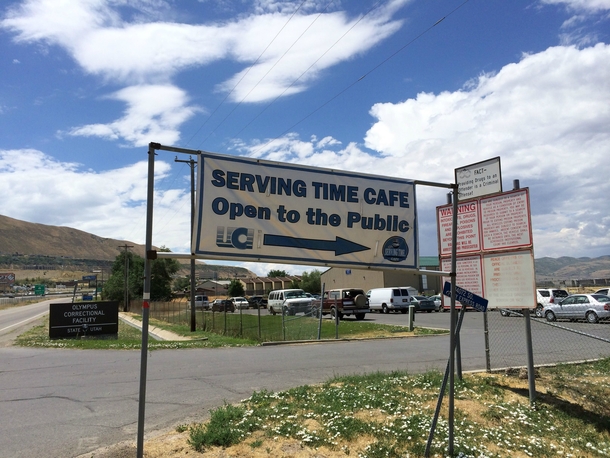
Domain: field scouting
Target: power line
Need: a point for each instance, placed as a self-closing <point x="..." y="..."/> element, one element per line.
<point x="308" y="68"/>
<point x="376" y="67"/>
<point x="241" y="79"/>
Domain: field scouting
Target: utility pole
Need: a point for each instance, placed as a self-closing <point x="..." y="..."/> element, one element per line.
<point x="126" y="287"/>
<point x="192" y="164"/>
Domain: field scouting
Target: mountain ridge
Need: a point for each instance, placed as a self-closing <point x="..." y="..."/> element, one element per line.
<point x="27" y="246"/>
<point x="22" y="238"/>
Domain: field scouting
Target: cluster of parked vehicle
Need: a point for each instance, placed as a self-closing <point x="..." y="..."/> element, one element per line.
<point x="558" y="304"/>
<point x="339" y="302"/>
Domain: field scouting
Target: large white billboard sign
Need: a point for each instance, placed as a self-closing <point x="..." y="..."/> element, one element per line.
<point x="249" y="209"/>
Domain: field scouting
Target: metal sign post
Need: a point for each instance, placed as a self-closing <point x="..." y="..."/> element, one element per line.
<point x="146" y="297"/>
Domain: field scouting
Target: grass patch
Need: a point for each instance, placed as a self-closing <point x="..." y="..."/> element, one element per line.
<point x="390" y="415"/>
<point x="131" y="338"/>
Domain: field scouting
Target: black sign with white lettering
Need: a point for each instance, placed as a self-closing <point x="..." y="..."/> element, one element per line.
<point x="83" y="319"/>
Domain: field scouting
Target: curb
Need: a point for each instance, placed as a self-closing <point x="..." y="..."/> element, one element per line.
<point x="154" y="332"/>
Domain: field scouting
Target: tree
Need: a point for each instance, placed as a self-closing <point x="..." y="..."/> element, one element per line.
<point x="236" y="288"/>
<point x="182" y="283"/>
<point x="310" y="282"/>
<point x="161" y="272"/>
<point x="114" y="287"/>
<point x="277" y="273"/>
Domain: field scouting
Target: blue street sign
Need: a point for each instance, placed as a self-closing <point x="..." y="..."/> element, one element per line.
<point x="467" y="298"/>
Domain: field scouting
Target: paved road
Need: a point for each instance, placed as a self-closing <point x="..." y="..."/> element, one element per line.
<point x="64" y="403"/>
<point x="15" y="319"/>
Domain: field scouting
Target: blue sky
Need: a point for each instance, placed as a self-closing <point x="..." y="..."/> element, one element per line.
<point x="369" y="86"/>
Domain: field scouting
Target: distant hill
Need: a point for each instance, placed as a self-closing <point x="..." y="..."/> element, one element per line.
<point x="28" y="246"/>
<point x="32" y="243"/>
<point x="567" y="268"/>
<point x="23" y="238"/>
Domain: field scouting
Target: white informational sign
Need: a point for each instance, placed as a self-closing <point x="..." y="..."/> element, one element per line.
<point x="468" y="237"/>
<point x="505" y="220"/>
<point x="510" y="281"/>
<point x="468" y="274"/>
<point x="479" y="179"/>
<point x="249" y="209"/>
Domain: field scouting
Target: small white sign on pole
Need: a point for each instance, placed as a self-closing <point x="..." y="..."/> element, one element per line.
<point x="479" y="179"/>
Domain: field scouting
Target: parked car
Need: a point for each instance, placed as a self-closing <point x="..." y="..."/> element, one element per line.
<point x="422" y="304"/>
<point x="289" y="302"/>
<point x="239" y="302"/>
<point x="345" y="302"/>
<point x="202" y="302"/>
<point x="604" y="291"/>
<point x="221" y="305"/>
<point x="256" y="302"/>
<point x="545" y="296"/>
<point x="438" y="303"/>
<point x="589" y="307"/>
<point x="386" y="300"/>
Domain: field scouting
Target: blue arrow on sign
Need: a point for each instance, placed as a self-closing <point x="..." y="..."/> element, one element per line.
<point x="339" y="245"/>
<point x="467" y="298"/>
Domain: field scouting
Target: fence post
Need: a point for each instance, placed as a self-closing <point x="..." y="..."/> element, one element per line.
<point x="258" y="308"/>
<point x="336" y="320"/>
<point x="321" y="310"/>
<point x="411" y="317"/>
<point x="486" y="334"/>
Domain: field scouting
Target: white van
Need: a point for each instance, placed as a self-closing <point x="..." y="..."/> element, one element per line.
<point x="289" y="302"/>
<point x="386" y="300"/>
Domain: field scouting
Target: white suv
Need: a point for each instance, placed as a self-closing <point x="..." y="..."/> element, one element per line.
<point x="546" y="296"/>
<point x="289" y="302"/>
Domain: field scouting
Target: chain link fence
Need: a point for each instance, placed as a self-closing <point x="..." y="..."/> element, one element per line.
<point x="552" y="342"/>
<point x="260" y="326"/>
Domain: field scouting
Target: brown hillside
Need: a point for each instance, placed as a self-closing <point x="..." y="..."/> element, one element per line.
<point x="32" y="239"/>
<point x="39" y="239"/>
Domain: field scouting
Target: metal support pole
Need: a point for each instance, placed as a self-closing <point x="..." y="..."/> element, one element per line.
<point x="439" y="402"/>
<point x="453" y="319"/>
<point x="146" y="298"/>
<point x="192" y="164"/>
<point x="531" y="376"/>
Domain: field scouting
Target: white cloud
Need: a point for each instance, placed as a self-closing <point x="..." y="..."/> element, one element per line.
<point x="590" y="6"/>
<point x="108" y="204"/>
<point x="146" y="54"/>
<point x="547" y="118"/>
<point x="153" y="112"/>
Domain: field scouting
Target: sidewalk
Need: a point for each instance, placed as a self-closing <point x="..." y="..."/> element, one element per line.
<point x="153" y="331"/>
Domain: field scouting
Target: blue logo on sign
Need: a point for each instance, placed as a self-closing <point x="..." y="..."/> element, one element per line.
<point x="241" y="238"/>
<point x="395" y="249"/>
